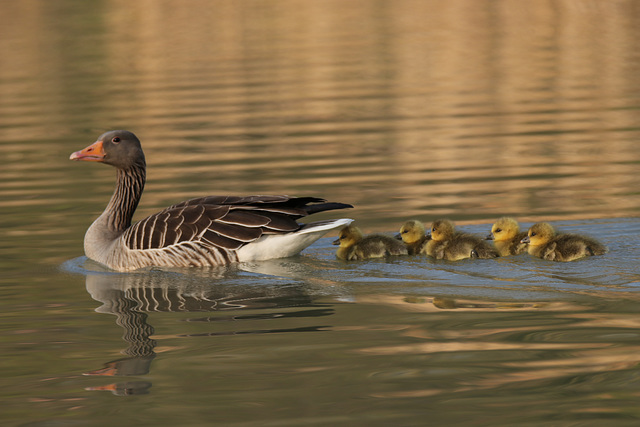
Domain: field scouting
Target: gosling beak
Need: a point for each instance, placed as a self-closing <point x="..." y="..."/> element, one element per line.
<point x="525" y="240"/>
<point x="336" y="242"/>
<point x="93" y="153"/>
<point x="398" y="236"/>
<point x="489" y="236"/>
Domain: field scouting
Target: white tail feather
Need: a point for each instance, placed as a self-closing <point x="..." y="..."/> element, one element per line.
<point x="285" y="245"/>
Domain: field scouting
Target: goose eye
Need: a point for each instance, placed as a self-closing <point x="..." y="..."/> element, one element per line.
<point x="533" y="234"/>
<point x="498" y="230"/>
<point x="116" y="140"/>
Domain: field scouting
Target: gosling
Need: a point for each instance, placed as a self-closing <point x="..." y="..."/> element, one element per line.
<point x="543" y="242"/>
<point x="446" y="243"/>
<point x="507" y="237"/>
<point x="354" y="246"/>
<point x="414" y="236"/>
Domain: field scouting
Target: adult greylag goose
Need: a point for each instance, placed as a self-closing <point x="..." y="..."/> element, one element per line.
<point x="544" y="242"/>
<point x="355" y="246"/>
<point x="207" y="231"/>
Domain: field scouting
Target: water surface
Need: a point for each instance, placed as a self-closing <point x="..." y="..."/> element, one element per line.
<point x="407" y="109"/>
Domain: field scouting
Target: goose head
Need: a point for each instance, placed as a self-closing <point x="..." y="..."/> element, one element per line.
<point x="442" y="229"/>
<point x="504" y="229"/>
<point x="119" y="148"/>
<point x="539" y="234"/>
<point x="348" y="236"/>
<point x="412" y="231"/>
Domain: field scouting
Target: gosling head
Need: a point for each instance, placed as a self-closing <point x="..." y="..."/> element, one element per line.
<point x="539" y="234"/>
<point x="442" y="229"/>
<point x="412" y="231"/>
<point x="504" y="229"/>
<point x="348" y="236"/>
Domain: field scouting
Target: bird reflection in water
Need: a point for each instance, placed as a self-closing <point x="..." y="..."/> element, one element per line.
<point x="130" y="297"/>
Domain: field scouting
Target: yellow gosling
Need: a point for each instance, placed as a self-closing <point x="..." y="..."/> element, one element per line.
<point x="507" y="237"/>
<point x="414" y="236"/>
<point x="544" y="242"/>
<point x="446" y="243"/>
<point x="355" y="246"/>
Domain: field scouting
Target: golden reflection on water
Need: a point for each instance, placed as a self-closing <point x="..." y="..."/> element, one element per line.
<point x="577" y="343"/>
<point x="450" y="349"/>
<point x="466" y="109"/>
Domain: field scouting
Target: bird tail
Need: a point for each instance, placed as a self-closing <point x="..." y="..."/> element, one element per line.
<point x="324" y="225"/>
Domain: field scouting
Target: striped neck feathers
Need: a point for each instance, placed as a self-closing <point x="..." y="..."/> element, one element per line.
<point x="125" y="199"/>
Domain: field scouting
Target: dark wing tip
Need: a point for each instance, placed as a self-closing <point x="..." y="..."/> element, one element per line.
<point x="328" y="206"/>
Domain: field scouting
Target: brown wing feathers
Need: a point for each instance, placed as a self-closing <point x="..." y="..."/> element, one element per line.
<point x="227" y="222"/>
<point x="247" y="219"/>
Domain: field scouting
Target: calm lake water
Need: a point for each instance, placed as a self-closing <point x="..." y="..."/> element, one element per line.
<point x="465" y="109"/>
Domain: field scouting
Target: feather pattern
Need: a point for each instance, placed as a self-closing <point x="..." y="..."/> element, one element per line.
<point x="210" y="222"/>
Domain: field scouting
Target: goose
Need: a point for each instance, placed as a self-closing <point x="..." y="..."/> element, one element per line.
<point x="507" y="237"/>
<point x="201" y="232"/>
<point x="544" y="242"/>
<point x="355" y="246"/>
<point x="414" y="236"/>
<point x="448" y="244"/>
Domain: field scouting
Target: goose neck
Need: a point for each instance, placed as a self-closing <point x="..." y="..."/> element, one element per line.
<point x="129" y="186"/>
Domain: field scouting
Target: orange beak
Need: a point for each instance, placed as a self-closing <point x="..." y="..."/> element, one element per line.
<point x="108" y="387"/>
<point x="109" y="371"/>
<point x="93" y="153"/>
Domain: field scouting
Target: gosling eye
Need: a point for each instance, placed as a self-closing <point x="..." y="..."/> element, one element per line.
<point x="498" y="230"/>
<point x="533" y="234"/>
<point x="116" y="140"/>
